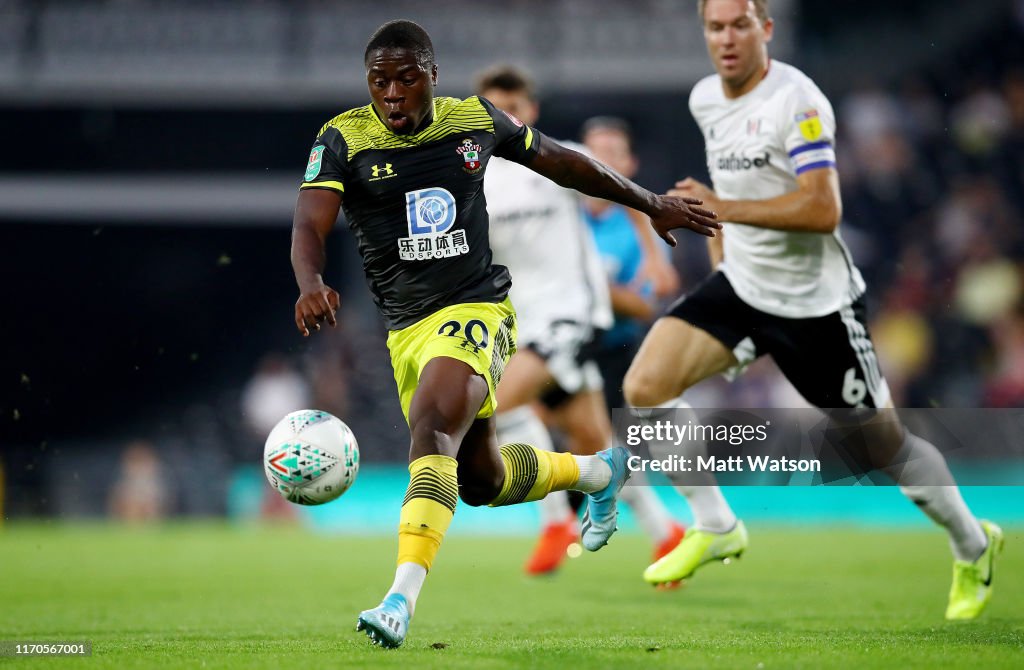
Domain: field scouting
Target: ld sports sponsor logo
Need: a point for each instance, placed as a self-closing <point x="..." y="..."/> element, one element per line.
<point x="430" y="213"/>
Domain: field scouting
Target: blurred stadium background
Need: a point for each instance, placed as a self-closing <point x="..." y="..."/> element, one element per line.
<point x="152" y="150"/>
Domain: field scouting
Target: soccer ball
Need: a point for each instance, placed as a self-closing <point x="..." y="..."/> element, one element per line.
<point x="311" y="457"/>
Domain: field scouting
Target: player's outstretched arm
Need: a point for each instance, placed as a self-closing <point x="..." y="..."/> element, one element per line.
<point x="814" y="207"/>
<point x="315" y="214"/>
<point x="573" y="170"/>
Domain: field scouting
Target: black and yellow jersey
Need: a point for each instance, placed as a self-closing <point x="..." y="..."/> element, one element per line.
<point x="416" y="202"/>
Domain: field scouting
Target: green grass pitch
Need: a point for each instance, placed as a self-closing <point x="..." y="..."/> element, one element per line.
<point x="220" y="597"/>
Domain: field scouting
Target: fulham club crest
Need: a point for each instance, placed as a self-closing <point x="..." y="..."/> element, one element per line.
<point x="470" y="152"/>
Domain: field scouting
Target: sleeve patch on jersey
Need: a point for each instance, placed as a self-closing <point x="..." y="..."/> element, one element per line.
<point x="513" y="119"/>
<point x="315" y="161"/>
<point x="809" y="123"/>
<point x="332" y="185"/>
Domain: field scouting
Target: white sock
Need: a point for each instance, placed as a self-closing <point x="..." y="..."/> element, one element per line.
<point x="555" y="508"/>
<point x="647" y="507"/>
<point x="408" y="582"/>
<point x="595" y="474"/>
<point x="710" y="510"/>
<point x="523" y="425"/>
<point x="923" y="476"/>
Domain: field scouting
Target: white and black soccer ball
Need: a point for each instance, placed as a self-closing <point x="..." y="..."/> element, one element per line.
<point x="311" y="457"/>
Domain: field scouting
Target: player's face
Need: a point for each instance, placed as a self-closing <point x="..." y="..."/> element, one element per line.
<point x="401" y="88"/>
<point x="736" y="41"/>
<point x="612" y="148"/>
<point x="516" y="103"/>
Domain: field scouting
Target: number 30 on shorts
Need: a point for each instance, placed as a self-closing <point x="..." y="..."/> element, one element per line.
<point x="475" y="331"/>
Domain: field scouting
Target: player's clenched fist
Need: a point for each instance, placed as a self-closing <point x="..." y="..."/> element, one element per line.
<point x="681" y="212"/>
<point x="315" y="306"/>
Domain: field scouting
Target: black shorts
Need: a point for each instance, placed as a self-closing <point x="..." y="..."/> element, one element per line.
<point x="614" y="362"/>
<point x="829" y="359"/>
<point x="571" y="363"/>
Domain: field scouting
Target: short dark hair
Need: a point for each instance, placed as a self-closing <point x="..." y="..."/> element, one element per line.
<point x="402" y="34"/>
<point x="506" y="78"/>
<point x="760" y="8"/>
<point x="612" y="123"/>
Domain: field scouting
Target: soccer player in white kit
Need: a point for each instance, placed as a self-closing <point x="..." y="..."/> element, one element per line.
<point x="561" y="294"/>
<point x="784" y="284"/>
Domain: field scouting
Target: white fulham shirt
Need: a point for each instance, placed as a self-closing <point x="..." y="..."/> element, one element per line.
<point x="756" y="146"/>
<point x="538" y="232"/>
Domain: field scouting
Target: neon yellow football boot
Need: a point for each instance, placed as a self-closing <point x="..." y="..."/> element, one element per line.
<point x="696" y="549"/>
<point x="972" y="582"/>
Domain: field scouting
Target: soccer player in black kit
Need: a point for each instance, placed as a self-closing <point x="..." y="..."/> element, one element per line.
<point x="408" y="170"/>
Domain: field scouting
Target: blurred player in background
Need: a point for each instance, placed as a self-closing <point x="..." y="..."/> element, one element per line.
<point x="621" y="245"/>
<point x="562" y="305"/>
<point x="409" y="169"/>
<point x="140" y="494"/>
<point x="784" y="284"/>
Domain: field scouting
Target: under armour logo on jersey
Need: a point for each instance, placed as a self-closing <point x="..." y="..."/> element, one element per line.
<point x="376" y="170"/>
<point x="469" y="346"/>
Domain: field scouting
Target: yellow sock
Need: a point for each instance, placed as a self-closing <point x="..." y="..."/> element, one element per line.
<point x="531" y="474"/>
<point x="428" y="508"/>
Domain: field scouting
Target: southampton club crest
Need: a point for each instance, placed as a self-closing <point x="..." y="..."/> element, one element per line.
<point x="470" y="152"/>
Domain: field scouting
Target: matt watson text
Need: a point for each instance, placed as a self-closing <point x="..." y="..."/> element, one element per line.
<point x="730" y="464"/>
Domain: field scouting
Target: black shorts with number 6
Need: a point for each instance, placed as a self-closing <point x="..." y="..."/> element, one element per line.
<point x="829" y="359"/>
